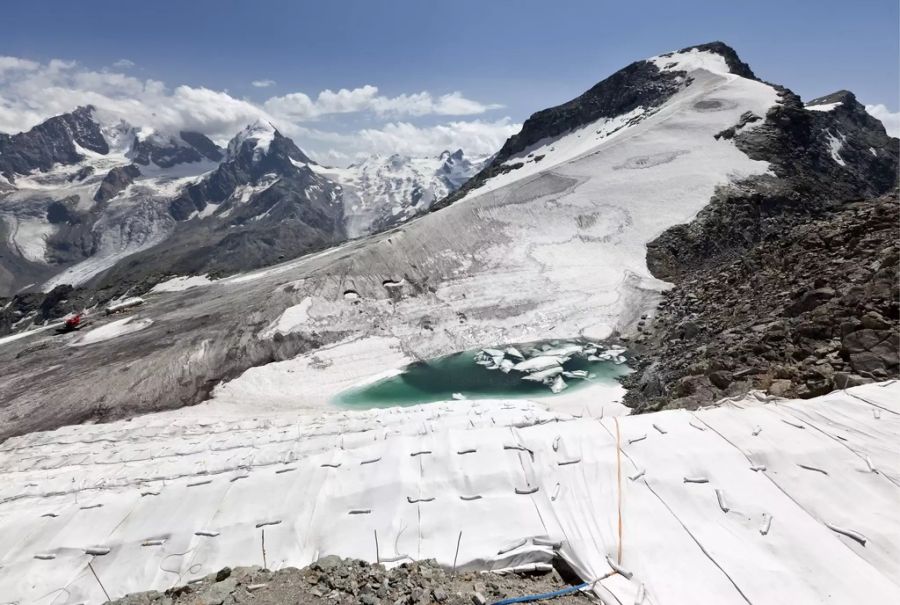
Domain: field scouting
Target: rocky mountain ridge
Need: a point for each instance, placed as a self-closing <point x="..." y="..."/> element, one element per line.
<point x="113" y="207"/>
<point x="810" y="308"/>
<point x="782" y="279"/>
<point x="640" y="85"/>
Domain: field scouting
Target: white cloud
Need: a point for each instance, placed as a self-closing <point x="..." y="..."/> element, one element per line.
<point x="263" y="83"/>
<point x="476" y="137"/>
<point x="11" y="64"/>
<point x="299" y="106"/>
<point x="124" y="64"/>
<point x="30" y="92"/>
<point x="890" y="119"/>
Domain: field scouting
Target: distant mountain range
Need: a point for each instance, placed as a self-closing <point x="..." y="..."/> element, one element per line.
<point x="113" y="205"/>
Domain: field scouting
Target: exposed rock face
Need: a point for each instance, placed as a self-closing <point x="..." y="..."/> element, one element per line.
<point x="746" y="238"/>
<point x="115" y="181"/>
<point x="264" y="203"/>
<point x="810" y="176"/>
<point x="51" y="142"/>
<point x="202" y="144"/>
<point x="247" y="164"/>
<point x="338" y="581"/>
<point x="188" y="147"/>
<point x="813" y="307"/>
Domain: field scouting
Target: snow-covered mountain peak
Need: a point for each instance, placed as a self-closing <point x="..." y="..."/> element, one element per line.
<point x="259" y="135"/>
<point x="831" y="101"/>
<point x="119" y="135"/>
<point x="691" y="60"/>
<point x="383" y="190"/>
<point x="714" y="57"/>
<point x="447" y="155"/>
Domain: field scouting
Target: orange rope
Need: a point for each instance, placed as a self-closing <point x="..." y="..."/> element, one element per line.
<point x="619" y="487"/>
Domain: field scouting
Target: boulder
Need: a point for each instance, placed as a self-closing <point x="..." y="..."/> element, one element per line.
<point x="874" y="321"/>
<point x="869" y="350"/>
<point x="720" y="379"/>
<point x="780" y="387"/>
<point x="809" y="300"/>
<point x="845" y="380"/>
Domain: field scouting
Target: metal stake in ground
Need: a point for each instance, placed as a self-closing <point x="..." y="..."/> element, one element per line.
<point x="102" y="587"/>
<point x="265" y="566"/>
<point x="458" y="540"/>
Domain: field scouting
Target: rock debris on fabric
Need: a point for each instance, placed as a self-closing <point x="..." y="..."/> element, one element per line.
<point x="336" y="581"/>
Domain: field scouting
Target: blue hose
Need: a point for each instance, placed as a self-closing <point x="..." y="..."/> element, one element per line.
<point x="544" y="596"/>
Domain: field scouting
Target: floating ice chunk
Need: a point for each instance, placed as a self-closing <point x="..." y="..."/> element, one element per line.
<point x="558" y="385"/>
<point x="458" y="396"/>
<point x="575" y="374"/>
<point x="613" y="354"/>
<point x="544" y="374"/>
<point x="492" y="352"/>
<point x="514" y="353"/>
<point x="541" y="362"/>
<point x="566" y="350"/>
<point x="506" y="365"/>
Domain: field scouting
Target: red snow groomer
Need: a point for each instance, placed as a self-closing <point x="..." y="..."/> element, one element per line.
<point x="76" y="322"/>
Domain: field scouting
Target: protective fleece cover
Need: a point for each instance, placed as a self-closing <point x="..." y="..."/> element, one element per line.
<point x="749" y="502"/>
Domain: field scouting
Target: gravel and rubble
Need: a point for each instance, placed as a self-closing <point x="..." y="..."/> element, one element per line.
<point x="335" y="581"/>
<point x="813" y="307"/>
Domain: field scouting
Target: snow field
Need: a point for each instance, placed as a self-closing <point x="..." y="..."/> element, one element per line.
<point x="114" y="329"/>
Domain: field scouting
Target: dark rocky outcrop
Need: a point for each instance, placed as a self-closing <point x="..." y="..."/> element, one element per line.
<point x="244" y="166"/>
<point x="203" y="144"/>
<point x="115" y="181"/>
<point x="51" y="142"/>
<point x="38" y="307"/>
<point x="192" y="147"/>
<point x="811" y="307"/>
<point x="808" y="180"/>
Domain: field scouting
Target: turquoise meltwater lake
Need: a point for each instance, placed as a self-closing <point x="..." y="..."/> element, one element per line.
<point x="477" y="375"/>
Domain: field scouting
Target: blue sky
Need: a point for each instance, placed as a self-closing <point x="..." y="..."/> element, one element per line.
<point x="523" y="55"/>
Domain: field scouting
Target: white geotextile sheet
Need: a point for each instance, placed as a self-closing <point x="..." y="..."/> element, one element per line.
<point x="479" y="484"/>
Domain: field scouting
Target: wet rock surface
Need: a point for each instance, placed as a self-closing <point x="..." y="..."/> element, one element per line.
<point x="339" y="581"/>
<point x="813" y="307"/>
